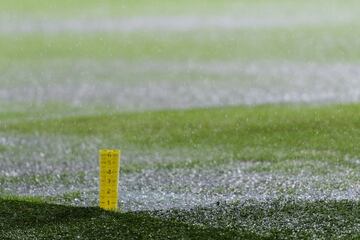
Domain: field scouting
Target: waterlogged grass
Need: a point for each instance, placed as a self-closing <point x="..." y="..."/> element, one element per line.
<point x="263" y="133"/>
<point x="67" y="179"/>
<point x="29" y="218"/>
<point x="278" y="219"/>
<point x="49" y="149"/>
<point x="26" y="111"/>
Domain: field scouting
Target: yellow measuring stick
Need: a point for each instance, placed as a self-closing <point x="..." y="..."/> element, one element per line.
<point x="109" y="178"/>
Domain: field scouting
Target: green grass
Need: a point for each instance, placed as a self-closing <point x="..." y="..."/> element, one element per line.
<point x="92" y="8"/>
<point x="263" y="133"/>
<point x="283" y="144"/>
<point x="110" y="7"/>
<point x="319" y="43"/>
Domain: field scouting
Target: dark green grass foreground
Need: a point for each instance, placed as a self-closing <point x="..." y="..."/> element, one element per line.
<point x="38" y="220"/>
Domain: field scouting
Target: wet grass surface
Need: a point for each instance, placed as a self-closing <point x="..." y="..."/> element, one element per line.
<point x="188" y="158"/>
<point x="252" y="133"/>
<point x="72" y="81"/>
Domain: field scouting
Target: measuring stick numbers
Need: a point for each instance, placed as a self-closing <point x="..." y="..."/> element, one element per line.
<point x="109" y="161"/>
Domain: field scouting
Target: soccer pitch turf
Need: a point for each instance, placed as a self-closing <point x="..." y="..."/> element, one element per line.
<point x="236" y="119"/>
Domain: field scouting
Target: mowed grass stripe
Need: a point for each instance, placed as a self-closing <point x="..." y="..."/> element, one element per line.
<point x="86" y="8"/>
<point x="320" y="43"/>
<point x="248" y="133"/>
<point x="68" y="8"/>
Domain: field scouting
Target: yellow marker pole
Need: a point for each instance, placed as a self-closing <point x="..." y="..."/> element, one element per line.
<point x="109" y="178"/>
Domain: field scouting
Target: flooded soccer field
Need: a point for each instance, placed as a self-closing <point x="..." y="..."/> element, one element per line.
<point x="238" y="118"/>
